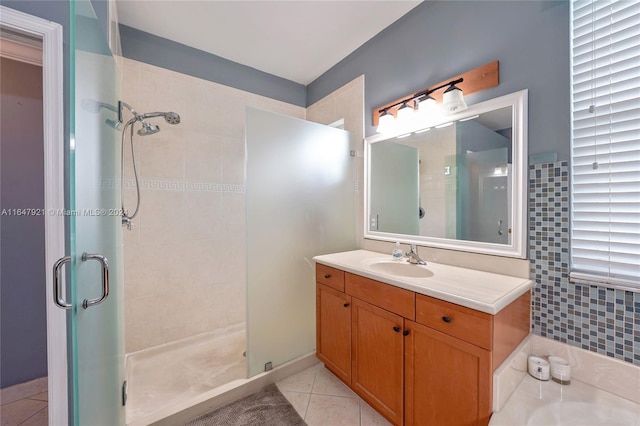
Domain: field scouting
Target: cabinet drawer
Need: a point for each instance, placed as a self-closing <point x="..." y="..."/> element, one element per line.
<point x="394" y="299"/>
<point x="332" y="277"/>
<point x="463" y="323"/>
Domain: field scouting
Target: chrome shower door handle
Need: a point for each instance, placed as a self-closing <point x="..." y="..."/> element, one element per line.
<point x="86" y="303"/>
<point x="57" y="278"/>
<point x="499" y="227"/>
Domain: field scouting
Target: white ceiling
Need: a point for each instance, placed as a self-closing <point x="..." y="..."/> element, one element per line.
<point x="296" y="40"/>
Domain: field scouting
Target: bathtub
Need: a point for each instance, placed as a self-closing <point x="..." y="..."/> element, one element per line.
<point x="537" y="403"/>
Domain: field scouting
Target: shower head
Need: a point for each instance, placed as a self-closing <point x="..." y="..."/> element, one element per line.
<point x="172" y="118"/>
<point x="169" y="117"/>
<point x="148" y="129"/>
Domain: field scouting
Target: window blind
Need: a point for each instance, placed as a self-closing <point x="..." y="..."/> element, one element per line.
<point x="605" y="228"/>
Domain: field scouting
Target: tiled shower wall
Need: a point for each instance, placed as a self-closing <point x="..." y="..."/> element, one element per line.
<point x="347" y="103"/>
<point x="602" y="320"/>
<point x="184" y="259"/>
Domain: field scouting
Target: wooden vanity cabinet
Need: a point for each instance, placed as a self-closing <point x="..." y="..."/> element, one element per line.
<point x="378" y="332"/>
<point x="448" y="380"/>
<point x="450" y="354"/>
<point x="333" y="322"/>
<point x="417" y="360"/>
<point x="378" y="353"/>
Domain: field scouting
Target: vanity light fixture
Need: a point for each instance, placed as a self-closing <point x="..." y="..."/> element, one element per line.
<point x="386" y="122"/>
<point x="452" y="100"/>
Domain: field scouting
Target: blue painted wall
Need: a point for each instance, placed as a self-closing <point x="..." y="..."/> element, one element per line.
<point x="161" y="52"/>
<point x="23" y="317"/>
<point x="440" y="39"/>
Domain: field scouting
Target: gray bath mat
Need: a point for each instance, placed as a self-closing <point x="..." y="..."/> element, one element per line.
<point x="267" y="407"/>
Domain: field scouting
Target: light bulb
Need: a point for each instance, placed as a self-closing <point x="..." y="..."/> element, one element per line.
<point x="426" y="105"/>
<point x="386" y="123"/>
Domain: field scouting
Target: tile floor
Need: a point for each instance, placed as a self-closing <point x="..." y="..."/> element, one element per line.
<point x="317" y="395"/>
<point x="29" y="411"/>
<point x="322" y="399"/>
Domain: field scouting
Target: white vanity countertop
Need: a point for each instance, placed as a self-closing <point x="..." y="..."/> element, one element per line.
<point x="483" y="291"/>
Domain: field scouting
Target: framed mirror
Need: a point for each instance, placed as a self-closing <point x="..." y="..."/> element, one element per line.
<point x="453" y="181"/>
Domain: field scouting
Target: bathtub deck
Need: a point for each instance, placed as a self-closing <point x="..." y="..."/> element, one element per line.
<point x="538" y="403"/>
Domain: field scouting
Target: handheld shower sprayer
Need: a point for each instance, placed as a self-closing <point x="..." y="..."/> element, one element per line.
<point x="146" y="130"/>
<point x="169" y="117"/>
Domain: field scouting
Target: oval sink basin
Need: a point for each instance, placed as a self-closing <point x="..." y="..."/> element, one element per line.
<point x="582" y="414"/>
<point x="401" y="269"/>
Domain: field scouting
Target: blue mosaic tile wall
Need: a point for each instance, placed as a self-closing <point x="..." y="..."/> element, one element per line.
<point x="602" y="320"/>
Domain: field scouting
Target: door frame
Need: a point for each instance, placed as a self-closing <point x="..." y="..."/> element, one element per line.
<point x="51" y="35"/>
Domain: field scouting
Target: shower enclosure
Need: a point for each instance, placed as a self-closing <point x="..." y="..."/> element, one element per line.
<point x="216" y="267"/>
<point x="296" y="202"/>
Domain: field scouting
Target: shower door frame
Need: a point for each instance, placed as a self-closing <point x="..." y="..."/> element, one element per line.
<point x="51" y="34"/>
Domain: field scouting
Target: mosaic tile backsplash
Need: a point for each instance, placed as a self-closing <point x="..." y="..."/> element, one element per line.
<point x="602" y="320"/>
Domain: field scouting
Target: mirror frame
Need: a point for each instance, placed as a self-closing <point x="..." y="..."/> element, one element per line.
<point x="518" y="101"/>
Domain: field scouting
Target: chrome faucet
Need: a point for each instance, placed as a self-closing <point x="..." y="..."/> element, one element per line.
<point x="413" y="256"/>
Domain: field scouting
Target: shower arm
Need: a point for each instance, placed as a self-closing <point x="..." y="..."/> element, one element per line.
<point x="152" y="114"/>
<point x="121" y="111"/>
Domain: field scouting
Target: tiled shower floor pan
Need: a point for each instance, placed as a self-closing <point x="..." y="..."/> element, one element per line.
<point x="176" y="372"/>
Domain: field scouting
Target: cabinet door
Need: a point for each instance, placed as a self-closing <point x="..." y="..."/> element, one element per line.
<point x="377" y="368"/>
<point x="333" y="331"/>
<point x="448" y="381"/>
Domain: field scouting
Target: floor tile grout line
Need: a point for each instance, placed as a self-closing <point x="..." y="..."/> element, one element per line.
<point x="332" y="394"/>
<point x="306" y="410"/>
<point x="34" y="414"/>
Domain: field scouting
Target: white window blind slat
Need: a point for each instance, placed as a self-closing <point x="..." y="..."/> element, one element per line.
<point x="628" y="64"/>
<point x="601" y="14"/>
<point x="617" y="106"/>
<point x="594" y="33"/>
<point x="605" y="204"/>
<point x="612" y="165"/>
<point x="616" y="114"/>
<point x="617" y="137"/>
<point x="607" y="41"/>
<point x="600" y="89"/>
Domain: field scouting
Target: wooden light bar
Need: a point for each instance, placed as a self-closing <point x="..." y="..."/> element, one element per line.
<point x="476" y="80"/>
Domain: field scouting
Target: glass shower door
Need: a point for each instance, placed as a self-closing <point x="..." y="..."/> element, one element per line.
<point x="96" y="346"/>
<point x="395" y="188"/>
<point x="300" y="198"/>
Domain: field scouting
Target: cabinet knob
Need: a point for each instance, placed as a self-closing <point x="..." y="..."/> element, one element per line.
<point x="446" y="319"/>
<point x="396" y="329"/>
<point x="346" y="305"/>
<point x="405" y="333"/>
<point x="327" y="276"/>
